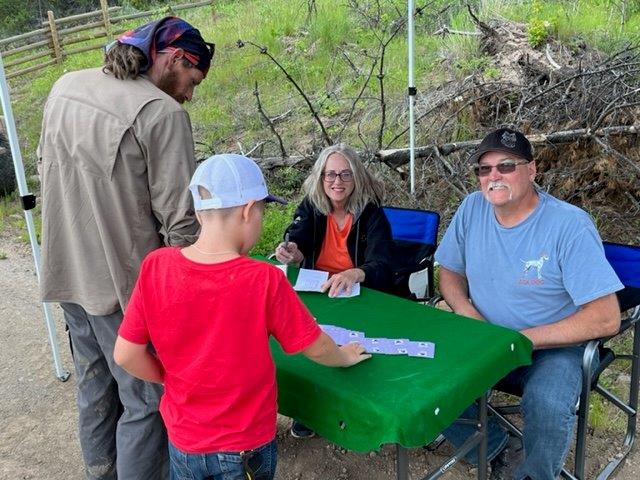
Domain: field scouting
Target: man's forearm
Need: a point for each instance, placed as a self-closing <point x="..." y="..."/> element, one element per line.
<point x="455" y="290"/>
<point x="599" y="318"/>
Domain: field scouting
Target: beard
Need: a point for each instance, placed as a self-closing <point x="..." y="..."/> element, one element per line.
<point x="168" y="83"/>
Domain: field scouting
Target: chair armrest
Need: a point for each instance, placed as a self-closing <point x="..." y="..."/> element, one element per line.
<point x="433" y="301"/>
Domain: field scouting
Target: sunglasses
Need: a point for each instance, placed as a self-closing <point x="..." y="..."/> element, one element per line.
<point x="507" y="166"/>
<point x="212" y="48"/>
<point x="346" y="176"/>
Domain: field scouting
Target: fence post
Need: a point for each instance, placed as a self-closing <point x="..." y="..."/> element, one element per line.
<point x="54" y="38"/>
<point x="213" y="10"/>
<point x="105" y="17"/>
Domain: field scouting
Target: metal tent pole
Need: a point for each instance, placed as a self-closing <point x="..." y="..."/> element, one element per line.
<point x="28" y="201"/>
<point x="412" y="97"/>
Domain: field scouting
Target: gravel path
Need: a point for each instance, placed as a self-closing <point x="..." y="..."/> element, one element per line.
<point x="38" y="413"/>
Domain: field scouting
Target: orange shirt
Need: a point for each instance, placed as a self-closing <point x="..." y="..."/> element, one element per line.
<point x="334" y="256"/>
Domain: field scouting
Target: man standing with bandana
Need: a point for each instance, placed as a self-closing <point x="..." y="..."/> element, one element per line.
<point x="116" y="156"/>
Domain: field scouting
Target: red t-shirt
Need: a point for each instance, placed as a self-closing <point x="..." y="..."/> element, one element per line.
<point x="210" y="326"/>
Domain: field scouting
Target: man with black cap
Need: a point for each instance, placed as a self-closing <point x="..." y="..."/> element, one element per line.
<point x="116" y="156"/>
<point x="515" y="256"/>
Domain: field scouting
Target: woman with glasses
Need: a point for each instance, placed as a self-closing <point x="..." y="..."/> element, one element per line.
<point x="340" y="227"/>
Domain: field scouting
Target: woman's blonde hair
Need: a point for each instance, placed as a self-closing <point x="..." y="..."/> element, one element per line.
<point x="366" y="187"/>
<point x="124" y="61"/>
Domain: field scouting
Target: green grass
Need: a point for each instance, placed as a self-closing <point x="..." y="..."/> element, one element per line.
<point x="325" y="53"/>
<point x="599" y="22"/>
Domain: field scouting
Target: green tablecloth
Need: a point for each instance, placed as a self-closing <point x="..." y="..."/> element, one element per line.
<point x="394" y="399"/>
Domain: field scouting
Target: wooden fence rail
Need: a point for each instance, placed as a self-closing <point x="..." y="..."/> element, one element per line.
<point x="58" y="34"/>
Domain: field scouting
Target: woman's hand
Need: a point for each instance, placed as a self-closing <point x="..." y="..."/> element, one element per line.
<point x="289" y="253"/>
<point x="343" y="281"/>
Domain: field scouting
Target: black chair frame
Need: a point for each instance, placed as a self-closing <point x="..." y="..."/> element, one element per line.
<point x="590" y="382"/>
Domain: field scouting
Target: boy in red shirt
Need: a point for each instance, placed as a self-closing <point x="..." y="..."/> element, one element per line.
<point x="208" y="310"/>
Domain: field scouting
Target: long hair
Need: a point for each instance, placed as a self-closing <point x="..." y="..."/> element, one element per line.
<point x="366" y="188"/>
<point x="124" y="61"/>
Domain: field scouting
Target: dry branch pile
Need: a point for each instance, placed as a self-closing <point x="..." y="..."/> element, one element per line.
<point x="581" y="110"/>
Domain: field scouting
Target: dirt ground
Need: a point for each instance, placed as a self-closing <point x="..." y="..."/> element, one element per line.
<point x="38" y="412"/>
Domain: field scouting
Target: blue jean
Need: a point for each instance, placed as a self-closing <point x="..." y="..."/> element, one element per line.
<point x="550" y="389"/>
<point x="261" y="464"/>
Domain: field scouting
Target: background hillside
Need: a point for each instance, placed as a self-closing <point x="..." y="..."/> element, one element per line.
<point x="349" y="59"/>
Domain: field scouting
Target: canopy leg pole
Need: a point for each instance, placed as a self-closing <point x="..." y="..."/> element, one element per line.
<point x="412" y="97"/>
<point x="28" y="202"/>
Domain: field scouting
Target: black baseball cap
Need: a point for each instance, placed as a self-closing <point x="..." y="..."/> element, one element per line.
<point x="504" y="140"/>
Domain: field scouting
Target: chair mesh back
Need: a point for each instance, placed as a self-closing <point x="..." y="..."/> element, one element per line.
<point x="416" y="226"/>
<point x="415" y="236"/>
<point x="625" y="260"/>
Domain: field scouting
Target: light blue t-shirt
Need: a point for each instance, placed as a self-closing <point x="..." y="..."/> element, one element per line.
<point x="531" y="274"/>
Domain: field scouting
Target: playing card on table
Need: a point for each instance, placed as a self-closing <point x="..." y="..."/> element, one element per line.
<point x="342" y="336"/>
<point x="387" y="346"/>
<point x="421" y="349"/>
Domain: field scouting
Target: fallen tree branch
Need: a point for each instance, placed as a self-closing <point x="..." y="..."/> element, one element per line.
<point x="550" y="59"/>
<point x="400" y="156"/>
<point x="269" y="163"/>
<point x="446" y="30"/>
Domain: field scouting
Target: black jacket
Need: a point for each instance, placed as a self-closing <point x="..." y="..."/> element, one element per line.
<point x="369" y="241"/>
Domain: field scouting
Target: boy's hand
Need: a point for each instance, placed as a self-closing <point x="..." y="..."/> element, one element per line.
<point x="289" y="253"/>
<point x="353" y="353"/>
<point x="342" y="281"/>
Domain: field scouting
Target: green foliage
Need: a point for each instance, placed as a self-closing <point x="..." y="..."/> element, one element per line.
<point x="276" y="220"/>
<point x="12" y="217"/>
<point x="493" y="73"/>
<point x="471" y="64"/>
<point x="538" y="27"/>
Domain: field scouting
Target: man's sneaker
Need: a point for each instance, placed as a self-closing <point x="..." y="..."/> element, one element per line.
<point x="298" y="430"/>
<point x="505" y="464"/>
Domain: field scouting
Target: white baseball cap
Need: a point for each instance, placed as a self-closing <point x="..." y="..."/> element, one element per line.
<point x="232" y="180"/>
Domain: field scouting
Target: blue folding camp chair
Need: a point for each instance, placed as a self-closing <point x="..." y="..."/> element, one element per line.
<point x="625" y="260"/>
<point x="415" y="237"/>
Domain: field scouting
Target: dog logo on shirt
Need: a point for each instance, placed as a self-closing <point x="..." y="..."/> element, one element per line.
<point x="536" y="264"/>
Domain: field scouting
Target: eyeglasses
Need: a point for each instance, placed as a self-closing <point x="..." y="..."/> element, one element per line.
<point x="345" y="175"/>
<point x="504" y="167"/>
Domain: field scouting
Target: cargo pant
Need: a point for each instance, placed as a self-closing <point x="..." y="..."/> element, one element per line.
<point x="121" y="433"/>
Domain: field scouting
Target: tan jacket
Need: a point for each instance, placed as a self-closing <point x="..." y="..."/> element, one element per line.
<point x="116" y="159"/>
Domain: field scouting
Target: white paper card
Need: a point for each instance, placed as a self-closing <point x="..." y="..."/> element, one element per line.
<point x="310" y="280"/>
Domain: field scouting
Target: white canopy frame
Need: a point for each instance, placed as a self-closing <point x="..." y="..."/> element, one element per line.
<point x="412" y="95"/>
<point x="28" y="203"/>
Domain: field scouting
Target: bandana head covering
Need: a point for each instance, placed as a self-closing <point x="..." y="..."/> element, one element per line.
<point x="170" y="32"/>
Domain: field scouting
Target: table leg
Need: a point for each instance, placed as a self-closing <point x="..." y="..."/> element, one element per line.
<point x="402" y="463"/>
<point x="482" y="428"/>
